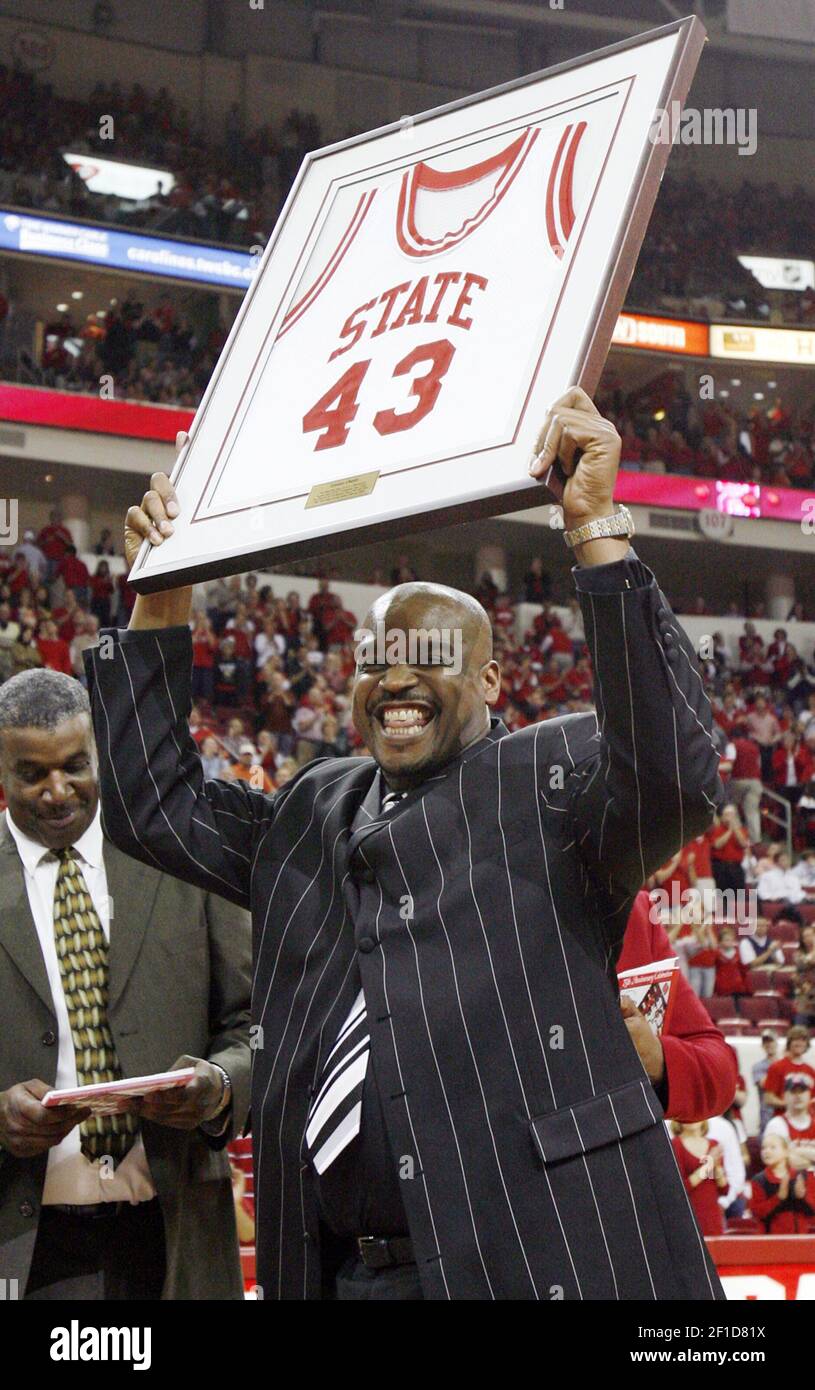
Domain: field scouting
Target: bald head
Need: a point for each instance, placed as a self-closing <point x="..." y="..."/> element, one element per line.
<point x="423" y="606"/>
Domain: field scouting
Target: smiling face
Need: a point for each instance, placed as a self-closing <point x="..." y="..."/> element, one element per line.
<point x="415" y="717"/>
<point x="773" y="1150"/>
<point x="49" y="778"/>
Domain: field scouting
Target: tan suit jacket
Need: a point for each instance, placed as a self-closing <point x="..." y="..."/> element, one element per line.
<point x="180" y="976"/>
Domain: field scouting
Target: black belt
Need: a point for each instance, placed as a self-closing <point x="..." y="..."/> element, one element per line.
<point x="382" y="1252"/>
<point x="90" y="1211"/>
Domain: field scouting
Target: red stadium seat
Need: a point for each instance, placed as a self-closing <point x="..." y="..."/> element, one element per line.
<point x="768" y="978"/>
<point x="719" y="1009"/>
<point x="782" y="982"/>
<point x="761" y="1007"/>
<point x="743" y="1226"/>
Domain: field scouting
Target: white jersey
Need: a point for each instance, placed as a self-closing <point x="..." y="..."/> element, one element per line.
<point x="414" y="330"/>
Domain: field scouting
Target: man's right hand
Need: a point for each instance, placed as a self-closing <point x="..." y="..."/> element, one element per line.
<point x="26" y="1127"/>
<point x="153" y="521"/>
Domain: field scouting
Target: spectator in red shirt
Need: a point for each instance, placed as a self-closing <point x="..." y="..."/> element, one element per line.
<point x="55" y="653"/>
<point x="292" y="616"/>
<point x="319" y="604"/>
<point x="75" y="574"/>
<point x="68" y="617"/>
<point x="729" y="712"/>
<point x="701" y="1165"/>
<point x="699" y="847"/>
<point x="784" y="1200"/>
<point x="763" y="726"/>
<point x="731" y="973"/>
<point x="699" y="952"/>
<point x="198" y="728"/>
<point x="277" y="703"/>
<point x="204" y="648"/>
<point x="792" y="767"/>
<point x="127" y="599"/>
<point x="746" y="784"/>
<point x="53" y="540"/>
<point x="727" y="849"/>
<point x="339" y="624"/>
<point x="797" y="1047"/>
<point x="797" y="1124"/>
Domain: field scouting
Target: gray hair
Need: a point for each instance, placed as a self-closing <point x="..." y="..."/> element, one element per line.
<point x="41" y="700"/>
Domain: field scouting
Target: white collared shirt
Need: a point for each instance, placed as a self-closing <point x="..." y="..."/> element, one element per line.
<point x="71" y="1178"/>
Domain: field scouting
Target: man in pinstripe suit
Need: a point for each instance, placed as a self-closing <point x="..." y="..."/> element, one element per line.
<point x="445" y="1095"/>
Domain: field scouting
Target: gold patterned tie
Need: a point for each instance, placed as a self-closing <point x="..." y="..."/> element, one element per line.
<point x="82" y="952"/>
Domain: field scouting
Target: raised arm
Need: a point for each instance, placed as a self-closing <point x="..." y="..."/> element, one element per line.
<point x="156" y="805"/>
<point x="649" y="782"/>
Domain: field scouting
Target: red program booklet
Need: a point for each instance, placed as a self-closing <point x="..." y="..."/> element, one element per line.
<point x="106" y="1096"/>
<point x="652" y="989"/>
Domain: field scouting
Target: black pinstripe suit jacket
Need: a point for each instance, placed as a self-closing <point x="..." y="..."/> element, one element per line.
<point x="484" y="917"/>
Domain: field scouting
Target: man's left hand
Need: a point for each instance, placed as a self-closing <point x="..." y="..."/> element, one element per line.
<point x="186" y="1107"/>
<point x="644" y="1039"/>
<point x="575" y="426"/>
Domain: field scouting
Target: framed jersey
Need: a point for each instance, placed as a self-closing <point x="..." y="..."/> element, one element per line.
<point x="428" y="290"/>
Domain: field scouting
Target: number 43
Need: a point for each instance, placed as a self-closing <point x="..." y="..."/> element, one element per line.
<point x="335" y="419"/>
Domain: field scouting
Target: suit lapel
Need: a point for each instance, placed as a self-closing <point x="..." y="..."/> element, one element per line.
<point x="369" y="819"/>
<point x="132" y="892"/>
<point x="18" y="932"/>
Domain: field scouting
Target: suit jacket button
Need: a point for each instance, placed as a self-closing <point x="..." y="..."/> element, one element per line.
<point x="671" y="656"/>
<point x="366" y="944"/>
<point x="668" y="638"/>
<point x="48" y="1039"/>
<point x="26" y="1209"/>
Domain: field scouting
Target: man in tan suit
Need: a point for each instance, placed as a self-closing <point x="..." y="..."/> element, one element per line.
<point x="108" y="968"/>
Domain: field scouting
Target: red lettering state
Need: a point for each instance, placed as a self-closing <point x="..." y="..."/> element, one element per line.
<point x="355" y="330"/>
<point x="464" y="301"/>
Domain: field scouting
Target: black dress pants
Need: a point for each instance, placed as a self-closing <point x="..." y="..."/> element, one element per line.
<point x="398" y="1282"/>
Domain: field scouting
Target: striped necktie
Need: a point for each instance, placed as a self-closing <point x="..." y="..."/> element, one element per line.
<point x="82" y="954"/>
<point x="336" y="1111"/>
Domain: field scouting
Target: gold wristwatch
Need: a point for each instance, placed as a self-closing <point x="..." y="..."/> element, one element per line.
<point x="620" y="523"/>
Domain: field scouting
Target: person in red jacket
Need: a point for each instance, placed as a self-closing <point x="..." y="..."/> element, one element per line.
<point x="691" y="1067"/>
<point x="797" y="1046"/>
<point x="701" y="1164"/>
<point x="792" y="767"/>
<point x="784" y="1200"/>
<point x="53" y="540"/>
<point x="55" y="653"/>
<point x="731" y="973"/>
<point x="75" y="574"/>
